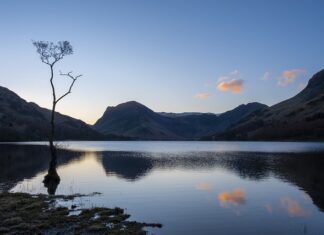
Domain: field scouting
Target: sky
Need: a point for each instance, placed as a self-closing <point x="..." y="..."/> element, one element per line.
<point x="172" y="56"/>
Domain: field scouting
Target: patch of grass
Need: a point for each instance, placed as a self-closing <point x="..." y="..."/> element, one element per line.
<point x="21" y="213"/>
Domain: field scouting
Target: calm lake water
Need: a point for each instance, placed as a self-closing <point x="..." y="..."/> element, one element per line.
<point x="189" y="187"/>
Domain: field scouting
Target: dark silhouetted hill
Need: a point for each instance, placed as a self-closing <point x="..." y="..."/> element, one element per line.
<point x="24" y="121"/>
<point x="135" y="120"/>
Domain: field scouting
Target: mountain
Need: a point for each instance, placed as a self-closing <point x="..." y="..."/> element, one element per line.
<point x="24" y="121"/>
<point x="181" y="114"/>
<point x="298" y="118"/>
<point x="137" y="121"/>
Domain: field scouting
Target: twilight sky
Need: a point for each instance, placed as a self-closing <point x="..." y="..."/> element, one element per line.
<point x="173" y="56"/>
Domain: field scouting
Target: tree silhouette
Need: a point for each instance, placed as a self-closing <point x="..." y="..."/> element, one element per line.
<point x="50" y="54"/>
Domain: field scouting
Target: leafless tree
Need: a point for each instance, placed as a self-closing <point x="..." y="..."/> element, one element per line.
<point x="50" y="54"/>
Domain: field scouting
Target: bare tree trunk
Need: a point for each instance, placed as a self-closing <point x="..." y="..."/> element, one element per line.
<point x="52" y="133"/>
<point x="52" y="179"/>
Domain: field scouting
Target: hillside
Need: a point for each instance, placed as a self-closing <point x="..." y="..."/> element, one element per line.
<point x="24" y="121"/>
<point x="298" y="118"/>
<point x="135" y="120"/>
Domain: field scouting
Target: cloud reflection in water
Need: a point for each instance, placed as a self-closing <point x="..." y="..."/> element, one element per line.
<point x="235" y="197"/>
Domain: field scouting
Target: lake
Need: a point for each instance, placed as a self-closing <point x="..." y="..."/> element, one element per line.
<point x="190" y="187"/>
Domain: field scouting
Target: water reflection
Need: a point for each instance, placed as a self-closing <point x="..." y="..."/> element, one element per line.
<point x="305" y="170"/>
<point x="130" y="166"/>
<point x="18" y="163"/>
<point x="52" y="179"/>
<point x="235" y="197"/>
<point x="293" y="207"/>
<point x="204" y="186"/>
<point x="133" y="166"/>
<point x="268" y="208"/>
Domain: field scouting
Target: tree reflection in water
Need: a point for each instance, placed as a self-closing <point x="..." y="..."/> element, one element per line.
<point x="52" y="179"/>
<point x="18" y="162"/>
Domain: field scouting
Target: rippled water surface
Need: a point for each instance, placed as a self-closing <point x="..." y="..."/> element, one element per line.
<point x="189" y="187"/>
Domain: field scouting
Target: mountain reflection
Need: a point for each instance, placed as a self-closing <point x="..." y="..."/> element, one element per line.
<point x="133" y="166"/>
<point x="18" y="162"/>
<point x="305" y="170"/>
<point x="253" y="166"/>
<point x="130" y="166"/>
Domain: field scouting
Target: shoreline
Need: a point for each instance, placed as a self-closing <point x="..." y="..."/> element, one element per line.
<point x="22" y="212"/>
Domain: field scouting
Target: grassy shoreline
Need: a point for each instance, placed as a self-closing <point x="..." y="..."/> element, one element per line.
<point x="21" y="213"/>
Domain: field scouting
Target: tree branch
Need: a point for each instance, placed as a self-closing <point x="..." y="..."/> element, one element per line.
<point x="74" y="78"/>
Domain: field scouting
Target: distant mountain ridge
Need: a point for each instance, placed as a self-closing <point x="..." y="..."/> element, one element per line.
<point x="24" y="121"/>
<point x="137" y="121"/>
<point x="167" y="114"/>
<point x="298" y="118"/>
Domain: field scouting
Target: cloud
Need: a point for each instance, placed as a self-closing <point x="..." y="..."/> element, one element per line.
<point x="204" y="186"/>
<point x="231" y="82"/>
<point x="265" y="76"/>
<point x="234" y="86"/>
<point x="236" y="197"/>
<point x="289" y="76"/>
<point x="202" y="96"/>
<point x="292" y="207"/>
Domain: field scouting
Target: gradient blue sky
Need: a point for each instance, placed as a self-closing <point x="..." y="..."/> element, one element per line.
<point x="168" y="55"/>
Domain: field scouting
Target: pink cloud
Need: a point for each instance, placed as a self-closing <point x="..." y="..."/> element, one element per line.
<point x="289" y="76"/>
<point x="234" y="86"/>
